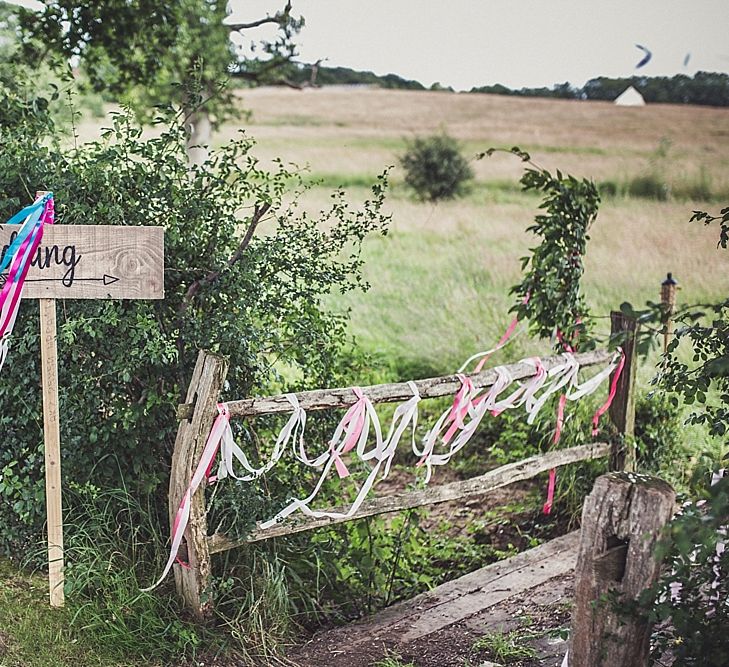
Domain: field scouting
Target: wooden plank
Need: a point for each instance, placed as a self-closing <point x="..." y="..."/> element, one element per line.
<point x="193" y="581"/>
<point x="622" y="409"/>
<point x="492" y="585"/>
<point x="326" y="399"/>
<point x="622" y="522"/>
<point x="52" y="446"/>
<point x="94" y="262"/>
<point x="494" y="479"/>
<point x="484" y="579"/>
<point x="470" y="598"/>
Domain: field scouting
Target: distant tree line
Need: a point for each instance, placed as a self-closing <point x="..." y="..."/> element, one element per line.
<point x="706" y="88"/>
<point x="319" y="75"/>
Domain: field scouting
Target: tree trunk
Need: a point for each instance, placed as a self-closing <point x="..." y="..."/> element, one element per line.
<point x="198" y="136"/>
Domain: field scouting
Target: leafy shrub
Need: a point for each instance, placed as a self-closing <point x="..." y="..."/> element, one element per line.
<point x="549" y="294"/>
<point x="690" y="603"/>
<point x="435" y="168"/>
<point x="649" y="186"/>
<point x="123" y="365"/>
<point x="657" y="429"/>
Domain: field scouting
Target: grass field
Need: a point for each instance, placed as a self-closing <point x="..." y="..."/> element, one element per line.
<point x="440" y="279"/>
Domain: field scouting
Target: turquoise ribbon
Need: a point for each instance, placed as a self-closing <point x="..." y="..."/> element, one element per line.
<point x="31" y="215"/>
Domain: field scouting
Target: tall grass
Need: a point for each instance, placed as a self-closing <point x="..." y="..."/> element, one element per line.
<point x="113" y="549"/>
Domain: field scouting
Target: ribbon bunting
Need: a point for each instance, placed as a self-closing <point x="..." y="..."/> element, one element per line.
<point x="345" y="434"/>
<point x="451" y="432"/>
<point x="16" y="261"/>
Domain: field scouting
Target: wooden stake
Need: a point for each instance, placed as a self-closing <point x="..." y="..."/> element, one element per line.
<point x="52" y="439"/>
<point x="668" y="303"/>
<point x="52" y="445"/>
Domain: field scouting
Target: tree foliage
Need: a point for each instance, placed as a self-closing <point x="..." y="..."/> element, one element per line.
<point x="707" y="88"/>
<point x="143" y="52"/>
<point x="123" y="365"/>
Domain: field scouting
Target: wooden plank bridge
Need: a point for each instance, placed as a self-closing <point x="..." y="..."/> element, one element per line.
<point x="458" y="612"/>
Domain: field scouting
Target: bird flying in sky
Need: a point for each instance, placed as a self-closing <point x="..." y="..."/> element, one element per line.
<point x="646" y="58"/>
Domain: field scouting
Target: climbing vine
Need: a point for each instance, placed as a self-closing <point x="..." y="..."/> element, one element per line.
<point x="549" y="294"/>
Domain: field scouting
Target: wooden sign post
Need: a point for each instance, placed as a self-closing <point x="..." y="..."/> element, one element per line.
<point x="80" y="262"/>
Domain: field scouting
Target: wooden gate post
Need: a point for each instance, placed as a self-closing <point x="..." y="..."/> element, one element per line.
<point x="193" y="580"/>
<point x="621" y="522"/>
<point x="622" y="409"/>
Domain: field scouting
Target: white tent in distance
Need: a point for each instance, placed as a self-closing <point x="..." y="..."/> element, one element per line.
<point x="630" y="97"/>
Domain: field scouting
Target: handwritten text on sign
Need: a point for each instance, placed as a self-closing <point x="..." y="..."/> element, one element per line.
<point x="93" y="262"/>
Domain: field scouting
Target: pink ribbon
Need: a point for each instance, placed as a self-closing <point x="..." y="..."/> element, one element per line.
<point x="202" y="471"/>
<point x="613" y="388"/>
<point x="13" y="288"/>
<point x="547" y="509"/>
<point x="353" y="423"/>
<point x="504" y="338"/>
<point x="461" y="404"/>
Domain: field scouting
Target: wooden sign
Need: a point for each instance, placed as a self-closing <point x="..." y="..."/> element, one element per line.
<point x="94" y="262"/>
<point x="79" y="262"/>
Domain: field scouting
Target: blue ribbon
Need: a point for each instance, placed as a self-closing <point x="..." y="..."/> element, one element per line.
<point x="31" y="214"/>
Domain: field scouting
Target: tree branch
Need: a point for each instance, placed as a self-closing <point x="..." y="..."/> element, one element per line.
<point x="280" y="18"/>
<point x="212" y="276"/>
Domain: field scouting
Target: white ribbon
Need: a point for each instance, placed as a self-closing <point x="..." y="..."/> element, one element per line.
<point x="383" y="452"/>
<point x="292" y="431"/>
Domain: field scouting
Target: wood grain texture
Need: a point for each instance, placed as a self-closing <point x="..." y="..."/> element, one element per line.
<point x="95" y="262"/>
<point x="494" y="479"/>
<point x="478" y="601"/>
<point x="193" y="582"/>
<point x="325" y="399"/>
<point x="622" y="409"/>
<point x="622" y="521"/>
<point x="52" y="446"/>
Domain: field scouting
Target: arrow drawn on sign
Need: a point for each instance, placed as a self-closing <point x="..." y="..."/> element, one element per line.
<point x="106" y="279"/>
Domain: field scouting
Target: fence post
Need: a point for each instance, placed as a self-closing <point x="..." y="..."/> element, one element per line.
<point x="193" y="581"/>
<point x="622" y="409"/>
<point x="621" y="523"/>
<point x="668" y="304"/>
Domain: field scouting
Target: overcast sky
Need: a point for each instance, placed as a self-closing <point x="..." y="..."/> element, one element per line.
<point x="466" y="43"/>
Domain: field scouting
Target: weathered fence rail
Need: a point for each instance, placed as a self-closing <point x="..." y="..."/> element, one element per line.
<point x="199" y="410"/>
<point x="467" y="488"/>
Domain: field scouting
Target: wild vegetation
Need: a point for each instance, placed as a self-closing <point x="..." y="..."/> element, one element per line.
<point x="265" y="263"/>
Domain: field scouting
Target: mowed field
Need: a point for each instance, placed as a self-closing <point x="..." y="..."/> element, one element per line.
<point x="440" y="279"/>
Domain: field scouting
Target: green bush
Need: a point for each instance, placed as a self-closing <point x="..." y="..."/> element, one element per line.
<point x="657" y="430"/>
<point x="124" y="365"/>
<point x="435" y="168"/>
<point x="690" y="604"/>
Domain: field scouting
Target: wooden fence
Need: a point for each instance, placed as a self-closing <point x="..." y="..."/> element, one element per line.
<point x="196" y="416"/>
